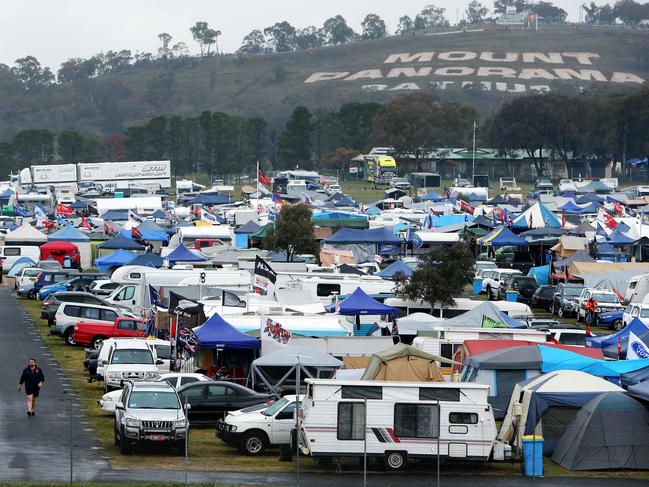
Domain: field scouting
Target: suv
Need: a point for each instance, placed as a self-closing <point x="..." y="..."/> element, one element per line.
<point x="543" y="297"/>
<point x="46" y="278"/>
<point x="69" y="314"/>
<point x="400" y="183"/>
<point x="150" y="412"/>
<point x="565" y="299"/>
<point x="27" y="275"/>
<point x="253" y="431"/>
<point x="129" y="360"/>
<point x="525" y="285"/>
<point x="515" y="259"/>
<point x="491" y="280"/>
<point x="103" y="287"/>
<point x="606" y="301"/>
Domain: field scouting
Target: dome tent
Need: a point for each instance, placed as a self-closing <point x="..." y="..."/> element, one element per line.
<point x="404" y="363"/>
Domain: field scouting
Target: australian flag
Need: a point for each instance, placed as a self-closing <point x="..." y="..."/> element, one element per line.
<point x="156" y="299"/>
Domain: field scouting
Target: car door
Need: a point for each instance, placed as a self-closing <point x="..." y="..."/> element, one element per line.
<point x="125" y="328"/>
<point x="196" y="397"/>
<point x="282" y="424"/>
<point x="219" y="397"/>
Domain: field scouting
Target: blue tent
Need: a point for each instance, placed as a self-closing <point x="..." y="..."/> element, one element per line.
<point x="148" y="260"/>
<point x="120" y="242"/>
<point x="640" y="391"/>
<point x="359" y="303"/>
<point x="396" y="267"/>
<point x="608" y="343"/>
<point x="216" y="333"/>
<point x="344" y="201"/>
<point x="617" y="238"/>
<point x="541" y="274"/>
<point x="79" y="205"/>
<point x="589" y="209"/>
<point x="183" y="254"/>
<point x="20" y="264"/>
<point x="114" y="259"/>
<point x="152" y="232"/>
<point x="249" y="227"/>
<point x="589" y="198"/>
<point x="558" y="359"/>
<point x="115" y="215"/>
<point x="210" y="199"/>
<point x="432" y="196"/>
<point x="372" y="211"/>
<point x="570" y="207"/>
<point x="502" y="236"/>
<point x="597" y="186"/>
<point x="68" y="234"/>
<point x="159" y="215"/>
<point x="622" y="227"/>
<point x="605" y="249"/>
<point x="379" y="235"/>
<point x="476" y="198"/>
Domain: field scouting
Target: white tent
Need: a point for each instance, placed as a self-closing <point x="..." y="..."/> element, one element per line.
<point x="25" y="234"/>
<point x="569" y="388"/>
<point x="411" y="324"/>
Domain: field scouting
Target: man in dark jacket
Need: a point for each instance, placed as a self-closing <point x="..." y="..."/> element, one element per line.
<point x="33" y="379"/>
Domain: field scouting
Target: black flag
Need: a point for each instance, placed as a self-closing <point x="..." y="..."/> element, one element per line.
<point x="264" y="275"/>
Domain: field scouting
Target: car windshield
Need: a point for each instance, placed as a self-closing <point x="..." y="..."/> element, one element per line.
<point x="275" y="407"/>
<point x="572" y="292"/>
<point x="31" y="272"/>
<point x="606" y="298"/>
<point x="132" y="356"/>
<point x="153" y="400"/>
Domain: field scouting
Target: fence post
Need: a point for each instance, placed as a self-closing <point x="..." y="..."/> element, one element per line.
<point x="186" y="443"/>
<point x="69" y="392"/>
<point x="439" y="430"/>
<point x="365" y="447"/>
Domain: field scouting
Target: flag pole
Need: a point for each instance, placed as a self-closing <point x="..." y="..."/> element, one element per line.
<point x="257" y="176"/>
<point x="473" y="159"/>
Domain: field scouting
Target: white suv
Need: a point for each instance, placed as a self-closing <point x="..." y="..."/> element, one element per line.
<point x="150" y="412"/>
<point x="636" y="310"/>
<point x="130" y="360"/>
<point x="606" y="301"/>
<point x="253" y="430"/>
<point x="491" y="280"/>
<point x="69" y="314"/>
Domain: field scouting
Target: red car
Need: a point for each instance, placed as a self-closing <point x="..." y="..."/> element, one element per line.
<point x="88" y="333"/>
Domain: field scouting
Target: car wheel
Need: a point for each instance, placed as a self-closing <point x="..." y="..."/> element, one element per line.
<point x="116" y="439"/>
<point x="69" y="337"/>
<point x="395" y="460"/>
<point x="124" y="447"/>
<point x="618" y="324"/>
<point x="31" y="294"/>
<point x="489" y="294"/>
<point x="254" y="443"/>
<point x="97" y="342"/>
<point x="560" y="312"/>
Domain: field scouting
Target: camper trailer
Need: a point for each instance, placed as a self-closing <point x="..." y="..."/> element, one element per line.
<point x="637" y="289"/>
<point x="327" y="286"/>
<point x="462" y="305"/>
<point x="396" y="421"/>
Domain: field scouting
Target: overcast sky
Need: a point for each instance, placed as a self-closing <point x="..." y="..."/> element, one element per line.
<point x="56" y="30"/>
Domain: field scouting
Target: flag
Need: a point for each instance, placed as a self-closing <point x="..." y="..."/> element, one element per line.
<point x="155" y="297"/>
<point x="62" y="209"/>
<point x="273" y="331"/>
<point x="134" y="217"/>
<point x="619" y="347"/>
<point x="416" y="240"/>
<point x="433" y="212"/>
<point x="231" y="300"/>
<point x="261" y="177"/>
<point x="618" y="209"/>
<point x="563" y="219"/>
<point x="464" y="206"/>
<point x="264" y="275"/>
<point x="206" y="216"/>
<point x="636" y="348"/>
<point x="135" y="233"/>
<point x="187" y="343"/>
<point x="59" y="219"/>
<point x="631" y="212"/>
<point x="277" y="198"/>
<point x="604" y="217"/>
<point x="85" y="223"/>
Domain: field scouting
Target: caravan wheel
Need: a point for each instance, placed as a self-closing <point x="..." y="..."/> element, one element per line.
<point x="395" y="460"/>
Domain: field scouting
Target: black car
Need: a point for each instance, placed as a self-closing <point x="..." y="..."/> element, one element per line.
<point x="518" y="259"/>
<point x="52" y="303"/>
<point x="209" y="401"/>
<point x="565" y="299"/>
<point x="525" y="285"/>
<point x="543" y="297"/>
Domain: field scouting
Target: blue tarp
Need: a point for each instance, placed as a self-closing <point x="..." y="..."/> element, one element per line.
<point x="541" y="273"/>
<point x="148" y="260"/>
<point x="445" y="220"/>
<point x="115" y="215"/>
<point x="115" y="259"/>
<point x="216" y="333"/>
<point x="379" y="235"/>
<point x="183" y="254"/>
<point x="151" y="231"/>
<point x="396" y="267"/>
<point x="558" y="359"/>
<point x="608" y="343"/>
<point x="432" y="196"/>
<point x="120" y="242"/>
<point x="359" y="303"/>
<point x="68" y="234"/>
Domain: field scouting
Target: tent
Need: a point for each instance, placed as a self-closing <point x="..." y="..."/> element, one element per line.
<point x="115" y="215"/>
<point x="597" y="186"/>
<point x="120" y="242"/>
<point x="210" y="199"/>
<point x="19" y="265"/>
<point x="416" y="322"/>
<point x="404" y="363"/>
<point x="619" y="239"/>
<point x="70" y="234"/>
<point x="536" y="216"/>
<point x="582" y="229"/>
<point x="58" y="250"/>
<point x="609" y="343"/>
<point x="395" y="268"/>
<point x="278" y="369"/>
<point x="148" y="260"/>
<point x="640" y="391"/>
<point x="115" y="259"/>
<point x="151" y="231"/>
<point x="216" y="333"/>
<point x="486" y="315"/>
<point x="589" y="198"/>
<point x="25" y="234"/>
<point x="345" y="201"/>
<point x="570" y="207"/>
<point x="541" y="274"/>
<point x="79" y="205"/>
<point x="579" y="256"/>
<point x="359" y="303"/>
<point x="610" y="432"/>
<point x="432" y="196"/>
<point x="159" y="215"/>
<point x="112" y="228"/>
<point x="365" y="244"/>
<point x="183" y="254"/>
<point x="497" y="200"/>
<point x="502" y="236"/>
<point x="482" y="221"/>
<point x="550" y="400"/>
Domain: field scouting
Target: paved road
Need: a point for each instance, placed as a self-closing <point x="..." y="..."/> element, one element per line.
<point x="38" y="448"/>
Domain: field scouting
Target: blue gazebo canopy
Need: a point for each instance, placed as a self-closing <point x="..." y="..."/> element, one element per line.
<point x="617" y="238"/>
<point x="216" y="333"/>
<point x="183" y="254"/>
<point x="211" y="199"/>
<point x="502" y="236"/>
<point x="570" y="207"/>
<point x="396" y="267"/>
<point x="379" y="235"/>
<point x="115" y="215"/>
<point x="68" y="234"/>
<point x="432" y="196"/>
<point x="120" y="242"/>
<point x="79" y="205"/>
<point x="359" y="303"/>
<point x="152" y="232"/>
<point x="114" y="259"/>
<point x="148" y="260"/>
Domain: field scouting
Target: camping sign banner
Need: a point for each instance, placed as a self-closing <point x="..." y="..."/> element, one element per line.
<point x="264" y="276"/>
<point x="275" y="332"/>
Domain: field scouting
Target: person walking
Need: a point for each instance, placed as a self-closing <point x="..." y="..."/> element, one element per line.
<point x="33" y="378"/>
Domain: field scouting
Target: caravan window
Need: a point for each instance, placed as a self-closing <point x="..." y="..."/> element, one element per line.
<point x="351" y="421"/>
<point x="463" y="418"/>
<point x="324" y="290"/>
<point x="362" y="392"/>
<point x="135" y="275"/>
<point x="416" y="420"/>
<point x="12" y="251"/>
<point x="439" y="394"/>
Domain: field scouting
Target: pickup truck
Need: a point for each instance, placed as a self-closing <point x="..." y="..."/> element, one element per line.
<point x="93" y="334"/>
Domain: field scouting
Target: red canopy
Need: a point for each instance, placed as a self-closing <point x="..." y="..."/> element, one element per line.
<point x="58" y="250"/>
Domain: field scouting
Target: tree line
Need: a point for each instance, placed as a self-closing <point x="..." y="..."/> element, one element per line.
<point x="629" y="12"/>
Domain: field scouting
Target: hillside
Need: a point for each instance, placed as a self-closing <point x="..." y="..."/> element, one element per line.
<point x="482" y="67"/>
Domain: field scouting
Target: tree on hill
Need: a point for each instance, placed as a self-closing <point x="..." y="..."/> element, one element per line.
<point x="339" y="159"/>
<point x="33" y="146"/>
<point x="406" y="25"/>
<point x="204" y="36"/>
<point x="631" y="12"/>
<point x="280" y="37"/>
<point x="30" y="72"/>
<point x="164" y="51"/>
<point x="293" y="232"/>
<point x="295" y="141"/>
<point x="254" y="43"/>
<point x="440" y="277"/>
<point x="548" y="12"/>
<point x="308" y="38"/>
<point x="373" y="27"/>
<point x="336" y="31"/>
<point x="500" y="6"/>
<point x="476" y="12"/>
<point x="431" y="16"/>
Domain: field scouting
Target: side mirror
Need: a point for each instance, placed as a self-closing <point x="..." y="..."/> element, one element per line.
<point x="188" y="407"/>
<point x="120" y="406"/>
<point x="102" y="362"/>
<point x="159" y="362"/>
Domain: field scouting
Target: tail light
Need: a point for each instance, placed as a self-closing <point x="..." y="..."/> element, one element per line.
<point x="47" y="303"/>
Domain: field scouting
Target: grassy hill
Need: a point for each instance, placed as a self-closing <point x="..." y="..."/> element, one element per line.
<point x="272" y="85"/>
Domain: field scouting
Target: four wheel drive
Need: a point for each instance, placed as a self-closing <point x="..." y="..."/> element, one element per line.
<point x="543" y="297"/>
<point x="69" y="314"/>
<point x="491" y="280"/>
<point x="132" y="360"/>
<point x="52" y="303"/>
<point x="46" y="278"/>
<point x="150" y="412"/>
<point x="93" y="334"/>
<point x="525" y="285"/>
<point x="565" y="299"/>
<point x="606" y="301"/>
<point x="255" y="431"/>
<point x="518" y="259"/>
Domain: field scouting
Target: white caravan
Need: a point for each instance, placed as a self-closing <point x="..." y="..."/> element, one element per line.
<point x="462" y="305"/>
<point x="637" y="289"/>
<point x="396" y="421"/>
<point x="327" y="286"/>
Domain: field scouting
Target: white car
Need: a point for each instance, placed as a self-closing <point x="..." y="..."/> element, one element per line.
<point x="400" y="183"/>
<point x="333" y="189"/>
<point x="27" y="275"/>
<point x="606" y="301"/>
<point x="69" y="314"/>
<point x="483" y="265"/>
<point x="130" y="360"/>
<point x="567" y="185"/>
<point x="253" y="430"/>
<point x="491" y="279"/>
<point x="174" y="379"/>
<point x="636" y="310"/>
<point x="103" y="287"/>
